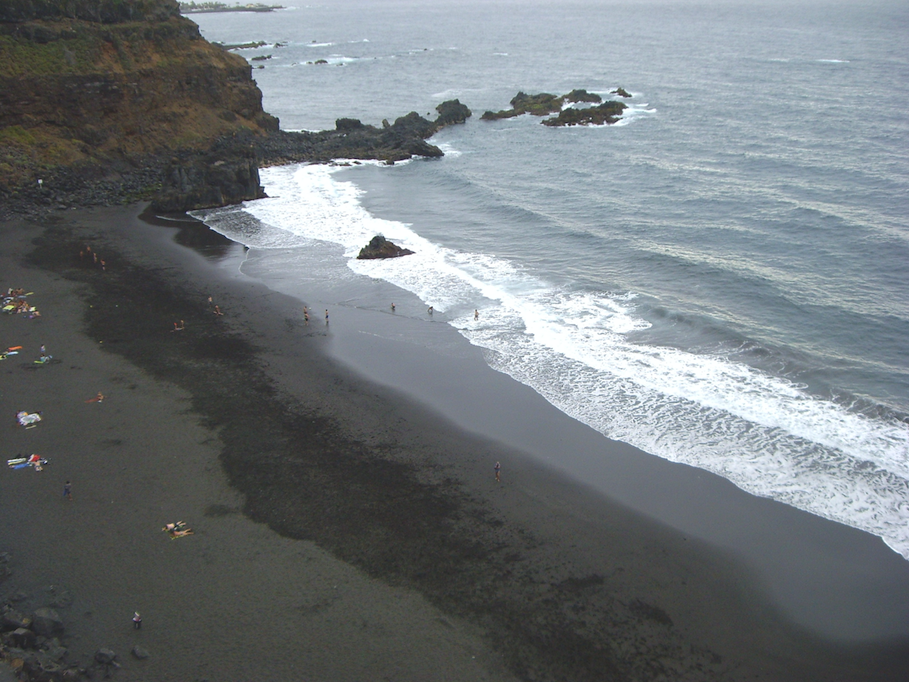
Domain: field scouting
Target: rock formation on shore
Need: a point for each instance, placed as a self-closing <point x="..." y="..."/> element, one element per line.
<point x="352" y="139"/>
<point x="379" y="247"/>
<point x="543" y="104"/>
<point x="110" y="101"/>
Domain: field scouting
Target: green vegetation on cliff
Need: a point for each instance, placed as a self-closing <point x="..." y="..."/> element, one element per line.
<point x="88" y="83"/>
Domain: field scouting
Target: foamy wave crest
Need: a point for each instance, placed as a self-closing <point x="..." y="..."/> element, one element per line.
<point x="763" y="433"/>
<point x="635" y="111"/>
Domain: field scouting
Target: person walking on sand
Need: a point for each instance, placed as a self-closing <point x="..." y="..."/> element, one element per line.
<point x="137" y="621"/>
<point x="68" y="491"/>
<point x="392" y="307"/>
<point x="326" y="316"/>
<point x="497" y="468"/>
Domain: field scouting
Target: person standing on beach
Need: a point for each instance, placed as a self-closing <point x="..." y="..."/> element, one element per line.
<point x="476" y="314"/>
<point x="497" y="468"/>
<point x="68" y="491"/>
<point x="137" y="621"/>
<point x="392" y="307"/>
<point x="326" y="316"/>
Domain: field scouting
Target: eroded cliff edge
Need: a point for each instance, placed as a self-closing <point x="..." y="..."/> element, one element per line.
<point x="106" y="101"/>
<point x="111" y="91"/>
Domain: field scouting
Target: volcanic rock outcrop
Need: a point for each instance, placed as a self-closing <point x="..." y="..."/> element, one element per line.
<point x="379" y="247"/>
<point x="543" y="104"/>
<point x="109" y="101"/>
<point x="352" y="139"/>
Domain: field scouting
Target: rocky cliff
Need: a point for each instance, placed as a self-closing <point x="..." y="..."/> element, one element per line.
<point x="111" y="91"/>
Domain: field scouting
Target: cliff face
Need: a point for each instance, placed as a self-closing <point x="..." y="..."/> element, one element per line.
<point x="97" y="84"/>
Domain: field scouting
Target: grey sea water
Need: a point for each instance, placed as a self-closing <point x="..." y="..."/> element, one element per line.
<point x="721" y="279"/>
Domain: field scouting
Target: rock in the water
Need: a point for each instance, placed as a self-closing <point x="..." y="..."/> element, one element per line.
<point x="580" y="95"/>
<point x="140" y="653"/>
<point x="452" y="112"/>
<point x="606" y="113"/>
<point x="379" y="247"/>
<point x="47" y="622"/>
<point x="544" y="103"/>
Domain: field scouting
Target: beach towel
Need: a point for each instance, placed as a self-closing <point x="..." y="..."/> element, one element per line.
<point x="27" y="420"/>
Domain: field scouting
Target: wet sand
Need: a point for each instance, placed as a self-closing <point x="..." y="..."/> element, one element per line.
<point x="348" y="526"/>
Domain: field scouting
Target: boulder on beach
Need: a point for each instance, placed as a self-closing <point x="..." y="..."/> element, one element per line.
<point x="47" y="622"/>
<point x="21" y="638"/>
<point x="105" y="656"/>
<point x="139" y="653"/>
<point x="12" y="619"/>
<point x="379" y="247"/>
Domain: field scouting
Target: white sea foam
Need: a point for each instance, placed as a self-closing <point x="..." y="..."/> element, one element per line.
<point x="635" y="111"/>
<point x="449" y="150"/>
<point x="763" y="433"/>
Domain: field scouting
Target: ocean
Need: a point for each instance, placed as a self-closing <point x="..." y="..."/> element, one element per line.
<point x="720" y="279"/>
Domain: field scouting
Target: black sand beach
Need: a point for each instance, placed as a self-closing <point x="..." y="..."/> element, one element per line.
<point x="347" y="524"/>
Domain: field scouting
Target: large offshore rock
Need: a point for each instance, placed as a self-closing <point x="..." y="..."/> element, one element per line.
<point x="379" y="247"/>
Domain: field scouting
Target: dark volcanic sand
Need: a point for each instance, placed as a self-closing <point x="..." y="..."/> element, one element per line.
<point x="342" y="531"/>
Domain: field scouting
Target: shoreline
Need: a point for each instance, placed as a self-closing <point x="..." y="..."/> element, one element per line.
<point x="334" y="474"/>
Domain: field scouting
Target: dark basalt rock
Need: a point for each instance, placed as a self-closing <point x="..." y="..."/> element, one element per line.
<point x="605" y="114"/>
<point x="139" y="653"/>
<point x="46" y="622"/>
<point x="352" y="139"/>
<point x="621" y="92"/>
<point x="105" y="656"/>
<point x="379" y="247"/>
<point x="522" y="103"/>
<point x="583" y="96"/>
<point x="166" y="116"/>
<point x="227" y="174"/>
<point x="545" y="103"/>
<point x="452" y="112"/>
